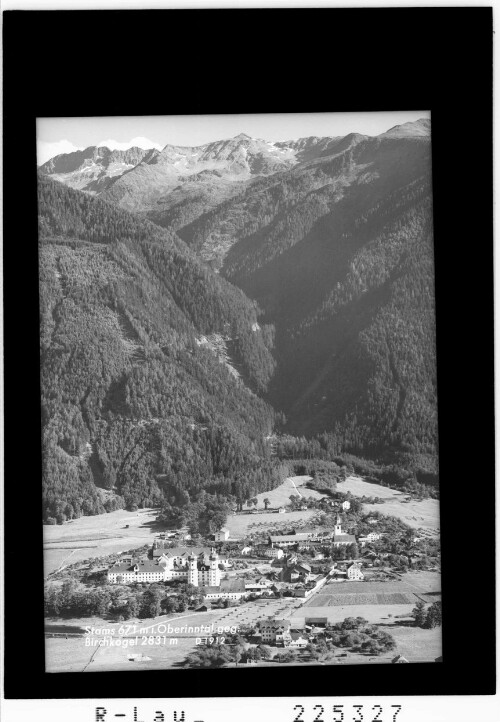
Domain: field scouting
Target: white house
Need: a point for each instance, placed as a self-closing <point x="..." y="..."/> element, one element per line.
<point x="354" y="572"/>
<point x="371" y="537"/>
<point x="274" y="552"/>
<point x="346" y="505"/>
<point x="281" y="510"/>
<point x="275" y="631"/>
<point x="222" y="534"/>
<point x="246" y="550"/>
<point x="299" y="640"/>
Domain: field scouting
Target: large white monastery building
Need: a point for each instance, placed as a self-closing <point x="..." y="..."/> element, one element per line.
<point x="199" y="567"/>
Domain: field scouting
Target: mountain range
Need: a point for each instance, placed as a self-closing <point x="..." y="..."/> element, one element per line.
<point x="297" y="275"/>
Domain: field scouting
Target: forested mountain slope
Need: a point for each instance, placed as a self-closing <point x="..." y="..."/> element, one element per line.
<point x="338" y="251"/>
<point x="332" y="238"/>
<point x="132" y="400"/>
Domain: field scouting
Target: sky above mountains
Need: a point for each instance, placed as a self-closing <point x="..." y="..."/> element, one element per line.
<point x="65" y="135"/>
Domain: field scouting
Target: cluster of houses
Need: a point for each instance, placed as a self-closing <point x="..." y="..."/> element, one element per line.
<point x="278" y="544"/>
<point x="206" y="567"/>
<point x="304" y="540"/>
<point x="280" y="633"/>
<point x="203" y="567"/>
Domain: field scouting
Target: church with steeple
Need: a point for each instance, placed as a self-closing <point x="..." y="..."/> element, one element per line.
<point x="339" y="538"/>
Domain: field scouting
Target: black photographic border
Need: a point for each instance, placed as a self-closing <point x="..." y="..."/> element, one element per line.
<point x="60" y="63"/>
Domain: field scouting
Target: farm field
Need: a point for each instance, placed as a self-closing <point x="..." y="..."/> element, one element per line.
<point x="72" y="655"/>
<point x="417" y="514"/>
<point x="97" y="536"/>
<point x="160" y="657"/>
<point x="322" y="600"/>
<point x="381" y="603"/>
<point x="240" y="525"/>
<point x="337" y="594"/>
<point x="374" y="613"/>
<point x="425" y="584"/>
<point x="66" y="655"/>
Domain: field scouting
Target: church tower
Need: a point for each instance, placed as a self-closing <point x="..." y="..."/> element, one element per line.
<point x="214" y="574"/>
<point x="338" y="526"/>
<point x="192" y="570"/>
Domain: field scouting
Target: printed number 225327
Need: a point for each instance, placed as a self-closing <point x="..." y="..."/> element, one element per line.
<point x="345" y="713"/>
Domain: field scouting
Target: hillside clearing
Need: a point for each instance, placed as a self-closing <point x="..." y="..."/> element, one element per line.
<point x="417" y="514"/>
<point x="294" y="485"/>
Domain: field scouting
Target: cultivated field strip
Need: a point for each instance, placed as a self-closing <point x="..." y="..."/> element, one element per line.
<point x="339" y="594"/>
<point x="340" y="600"/>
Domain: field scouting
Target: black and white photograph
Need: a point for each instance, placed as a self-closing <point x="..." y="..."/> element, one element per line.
<point x="248" y="356"/>
<point x="239" y="398"/>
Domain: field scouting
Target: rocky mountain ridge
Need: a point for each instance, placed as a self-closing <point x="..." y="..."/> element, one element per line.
<point x="94" y="168"/>
<point x="219" y="168"/>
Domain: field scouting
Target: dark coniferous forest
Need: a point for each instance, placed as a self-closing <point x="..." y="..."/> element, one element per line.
<point x="199" y="333"/>
<point x="131" y="401"/>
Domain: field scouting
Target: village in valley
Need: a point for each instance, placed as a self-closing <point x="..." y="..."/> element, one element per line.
<point x="294" y="576"/>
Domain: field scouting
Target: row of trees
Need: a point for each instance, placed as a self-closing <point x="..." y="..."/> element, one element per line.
<point x="116" y="602"/>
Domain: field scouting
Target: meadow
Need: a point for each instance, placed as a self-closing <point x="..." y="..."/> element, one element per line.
<point x="417" y="514"/>
<point x="97" y="536"/>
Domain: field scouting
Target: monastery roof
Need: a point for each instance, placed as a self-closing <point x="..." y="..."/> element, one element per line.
<point x="343" y="538"/>
<point x="143" y="566"/>
<point x="186" y="551"/>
